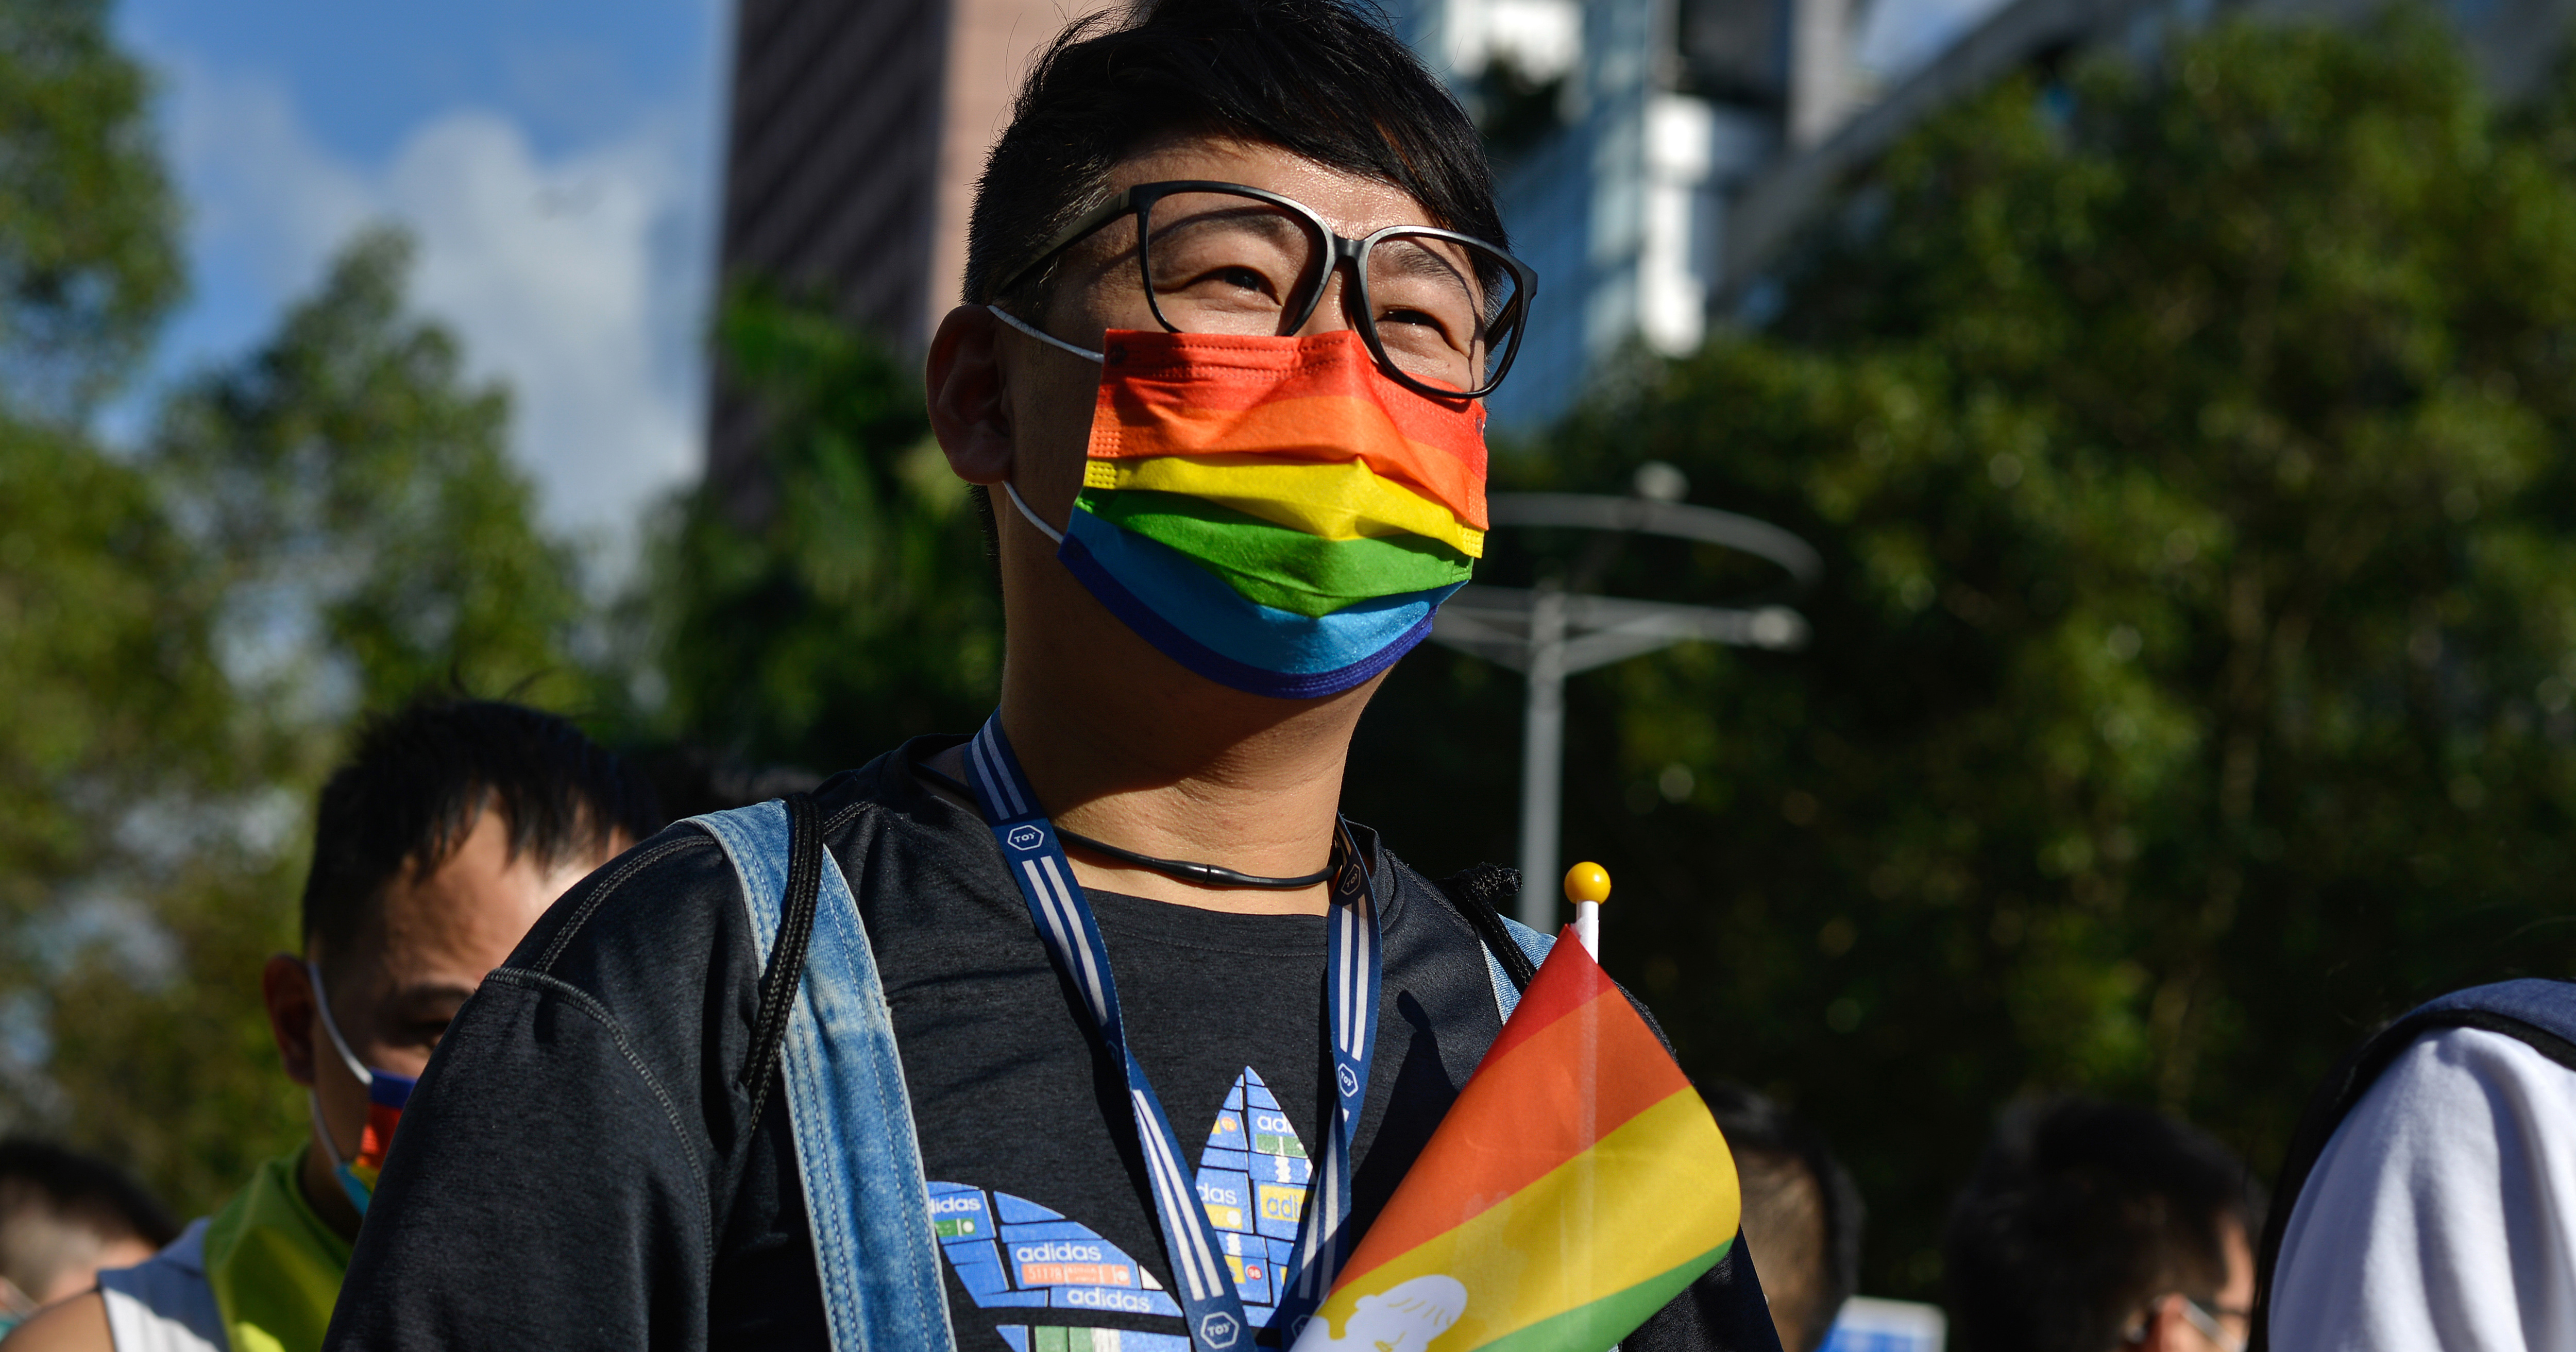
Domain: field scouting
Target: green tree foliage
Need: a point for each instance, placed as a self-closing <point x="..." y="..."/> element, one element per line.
<point x="349" y="521"/>
<point x="2191" y="445"/>
<point x="819" y="617"/>
<point x="88" y="264"/>
<point x="94" y="596"/>
<point x="161" y="1054"/>
<point x="115" y="714"/>
<point x="349" y="472"/>
<point x="120" y="745"/>
<point x="326" y="527"/>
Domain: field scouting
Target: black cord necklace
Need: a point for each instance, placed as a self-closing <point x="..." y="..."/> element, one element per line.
<point x="1211" y="875"/>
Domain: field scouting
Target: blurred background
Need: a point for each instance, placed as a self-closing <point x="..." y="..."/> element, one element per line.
<point x="2181" y="397"/>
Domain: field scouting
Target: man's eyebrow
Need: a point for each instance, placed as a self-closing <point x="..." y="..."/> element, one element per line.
<point x="1267" y="220"/>
<point x="1419" y="259"/>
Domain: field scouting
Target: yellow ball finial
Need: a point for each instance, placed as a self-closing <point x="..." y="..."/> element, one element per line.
<point x="1587" y="881"/>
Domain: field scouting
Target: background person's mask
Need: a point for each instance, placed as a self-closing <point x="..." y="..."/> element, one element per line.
<point x="1273" y="513"/>
<point x="386" y="1095"/>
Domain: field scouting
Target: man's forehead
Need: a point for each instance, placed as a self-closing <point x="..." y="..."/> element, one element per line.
<point x="460" y="918"/>
<point x="1353" y="204"/>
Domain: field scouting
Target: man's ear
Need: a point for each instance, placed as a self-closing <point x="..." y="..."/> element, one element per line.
<point x="970" y="407"/>
<point x="288" y="993"/>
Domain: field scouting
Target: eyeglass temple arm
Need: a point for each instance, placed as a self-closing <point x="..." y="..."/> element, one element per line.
<point x="1082" y="225"/>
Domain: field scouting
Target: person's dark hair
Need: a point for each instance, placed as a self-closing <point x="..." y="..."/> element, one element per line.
<point x="1323" y="79"/>
<point x="59" y="1207"/>
<point x="422" y="776"/>
<point x="1802" y="1212"/>
<point x="2080" y="1213"/>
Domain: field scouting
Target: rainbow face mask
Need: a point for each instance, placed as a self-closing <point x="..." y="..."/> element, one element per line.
<point x="1274" y="514"/>
<point x="386" y="1095"/>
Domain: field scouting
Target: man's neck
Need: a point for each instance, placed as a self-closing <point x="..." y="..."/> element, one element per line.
<point x="1139" y="754"/>
<point x="322" y="1192"/>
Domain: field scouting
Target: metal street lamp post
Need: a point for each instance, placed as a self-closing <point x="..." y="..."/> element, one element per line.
<point x="1550" y="634"/>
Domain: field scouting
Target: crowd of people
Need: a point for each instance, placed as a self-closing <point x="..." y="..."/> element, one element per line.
<point x="921" y="1057"/>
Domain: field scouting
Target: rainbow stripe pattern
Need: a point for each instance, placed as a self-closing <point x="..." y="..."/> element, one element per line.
<point x="1576" y="1186"/>
<point x="1274" y="514"/>
<point x="386" y="1095"/>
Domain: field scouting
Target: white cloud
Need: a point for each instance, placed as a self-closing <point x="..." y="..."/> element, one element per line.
<point x="579" y="279"/>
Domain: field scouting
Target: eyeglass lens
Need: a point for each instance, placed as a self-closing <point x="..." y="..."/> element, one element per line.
<point x="1222" y="263"/>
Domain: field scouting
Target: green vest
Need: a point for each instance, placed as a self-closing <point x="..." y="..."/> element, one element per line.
<point x="274" y="1266"/>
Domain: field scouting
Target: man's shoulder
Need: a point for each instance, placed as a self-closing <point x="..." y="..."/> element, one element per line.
<point x="1472" y="907"/>
<point x="162" y="1304"/>
<point x="72" y="1324"/>
<point x="667" y="889"/>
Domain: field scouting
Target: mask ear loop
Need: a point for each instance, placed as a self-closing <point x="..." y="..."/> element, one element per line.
<point x="358" y="1192"/>
<point x="1044" y="529"/>
<point x="322" y="1131"/>
<point x="340" y="1044"/>
<point x="1042" y="336"/>
<point x="1051" y="340"/>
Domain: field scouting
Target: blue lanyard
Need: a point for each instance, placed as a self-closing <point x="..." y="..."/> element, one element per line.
<point x="1064" y="921"/>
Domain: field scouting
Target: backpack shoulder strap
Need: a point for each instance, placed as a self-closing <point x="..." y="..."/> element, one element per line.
<point x="823" y="1038"/>
<point x="786" y="967"/>
<point x="1513" y="950"/>
<point x="2540" y="1013"/>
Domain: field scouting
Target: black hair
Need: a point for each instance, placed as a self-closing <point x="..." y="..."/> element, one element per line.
<point x="81" y="1203"/>
<point x="1802" y="1200"/>
<point x="1323" y="79"/>
<point x="420" y="778"/>
<point x="2081" y="1212"/>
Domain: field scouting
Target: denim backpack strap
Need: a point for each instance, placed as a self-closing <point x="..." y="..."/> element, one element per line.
<point x="842" y="1081"/>
<point x="1533" y="948"/>
<point x="783" y="971"/>
<point x="1513" y="950"/>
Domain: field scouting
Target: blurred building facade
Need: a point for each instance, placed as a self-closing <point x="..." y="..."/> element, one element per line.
<point x="855" y="132"/>
<point x="1622" y="131"/>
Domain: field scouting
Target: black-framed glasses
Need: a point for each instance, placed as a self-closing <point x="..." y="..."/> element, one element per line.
<point x="1442" y="312"/>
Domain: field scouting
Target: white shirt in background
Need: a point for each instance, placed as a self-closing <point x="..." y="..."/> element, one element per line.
<point x="2442" y="1214"/>
<point x="164" y="1304"/>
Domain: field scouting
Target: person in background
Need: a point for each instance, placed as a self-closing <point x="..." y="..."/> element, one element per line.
<point x="2091" y="1227"/>
<point x="452" y="828"/>
<point x="1802" y="1213"/>
<point x="63" y="1216"/>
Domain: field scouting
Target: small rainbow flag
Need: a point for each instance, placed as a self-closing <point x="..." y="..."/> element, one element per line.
<point x="1576" y="1186"/>
<point x="1318" y="517"/>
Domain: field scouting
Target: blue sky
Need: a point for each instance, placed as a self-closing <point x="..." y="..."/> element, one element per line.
<point x="558" y="163"/>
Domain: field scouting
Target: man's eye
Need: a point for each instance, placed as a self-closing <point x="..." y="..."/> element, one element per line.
<point x="1241" y="279"/>
<point x="1430" y="325"/>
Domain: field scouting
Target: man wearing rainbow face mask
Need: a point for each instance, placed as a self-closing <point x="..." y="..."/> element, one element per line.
<point x="1099" y="1028"/>
<point x="454" y="825"/>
